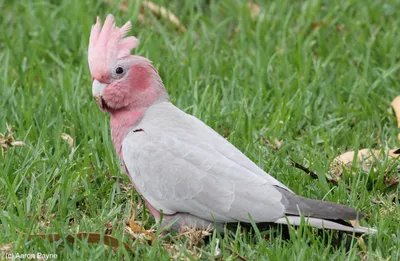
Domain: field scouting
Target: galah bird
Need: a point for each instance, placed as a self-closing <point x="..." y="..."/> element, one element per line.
<point x="179" y="165"/>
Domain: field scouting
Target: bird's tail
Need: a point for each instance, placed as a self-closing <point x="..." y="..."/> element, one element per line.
<point x="323" y="223"/>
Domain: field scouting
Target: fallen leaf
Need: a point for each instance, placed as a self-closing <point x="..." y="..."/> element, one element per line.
<point x="140" y="234"/>
<point x="109" y="227"/>
<point x="366" y="154"/>
<point x="17" y="144"/>
<point x="365" y="157"/>
<point x="396" y="108"/>
<point x="69" y="140"/>
<point x="392" y="181"/>
<point x="254" y="9"/>
<point x="135" y="229"/>
<point x="276" y="145"/>
<point x="317" y="24"/>
<point x="92" y="238"/>
<point x="354" y="223"/>
<point x="7" y="140"/>
<point x="6" y="249"/>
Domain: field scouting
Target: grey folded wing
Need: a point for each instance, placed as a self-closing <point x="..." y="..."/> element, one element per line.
<point x="189" y="171"/>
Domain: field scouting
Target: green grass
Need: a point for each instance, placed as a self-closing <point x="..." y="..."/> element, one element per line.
<point x="322" y="90"/>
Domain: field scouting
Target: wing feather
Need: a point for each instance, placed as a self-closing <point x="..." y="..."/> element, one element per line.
<point x="179" y="164"/>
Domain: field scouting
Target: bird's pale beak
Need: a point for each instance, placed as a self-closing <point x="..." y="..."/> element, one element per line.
<point x="97" y="91"/>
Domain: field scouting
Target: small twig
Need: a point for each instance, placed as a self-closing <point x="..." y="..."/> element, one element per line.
<point x="158" y="11"/>
<point x="310" y="172"/>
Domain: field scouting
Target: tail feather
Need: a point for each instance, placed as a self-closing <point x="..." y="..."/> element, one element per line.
<point x="322" y="223"/>
<point x="297" y="205"/>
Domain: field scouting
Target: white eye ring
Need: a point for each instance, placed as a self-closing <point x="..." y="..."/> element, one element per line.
<point x="118" y="72"/>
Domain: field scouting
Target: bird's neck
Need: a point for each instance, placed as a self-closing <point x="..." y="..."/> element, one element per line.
<point x="124" y="120"/>
<point x="121" y="122"/>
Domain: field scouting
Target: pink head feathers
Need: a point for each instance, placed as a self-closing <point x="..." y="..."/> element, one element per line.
<point x="107" y="45"/>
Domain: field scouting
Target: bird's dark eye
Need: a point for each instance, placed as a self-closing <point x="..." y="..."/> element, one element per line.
<point x="119" y="70"/>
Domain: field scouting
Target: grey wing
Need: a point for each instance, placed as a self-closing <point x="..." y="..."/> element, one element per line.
<point x="182" y="172"/>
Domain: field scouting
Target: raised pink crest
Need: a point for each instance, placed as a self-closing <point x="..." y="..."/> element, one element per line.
<point x="108" y="44"/>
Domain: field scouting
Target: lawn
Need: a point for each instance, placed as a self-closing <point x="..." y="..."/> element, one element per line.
<point x="317" y="75"/>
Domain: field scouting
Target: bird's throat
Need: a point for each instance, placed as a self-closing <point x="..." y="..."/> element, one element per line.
<point x="121" y="122"/>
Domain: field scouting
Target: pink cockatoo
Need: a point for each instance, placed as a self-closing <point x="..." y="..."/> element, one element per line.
<point x="179" y="165"/>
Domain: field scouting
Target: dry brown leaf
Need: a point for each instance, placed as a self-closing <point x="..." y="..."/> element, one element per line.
<point x="7" y="140"/>
<point x="366" y="157"/>
<point x="366" y="154"/>
<point x="69" y="140"/>
<point x="141" y="234"/>
<point x="396" y="108"/>
<point x="317" y="24"/>
<point x="17" y="143"/>
<point x="254" y="9"/>
<point x="90" y="237"/>
<point x="354" y="223"/>
<point x="6" y="249"/>
<point x="391" y="182"/>
<point x="109" y="227"/>
<point x="135" y="229"/>
<point x="159" y="11"/>
<point x="276" y="145"/>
